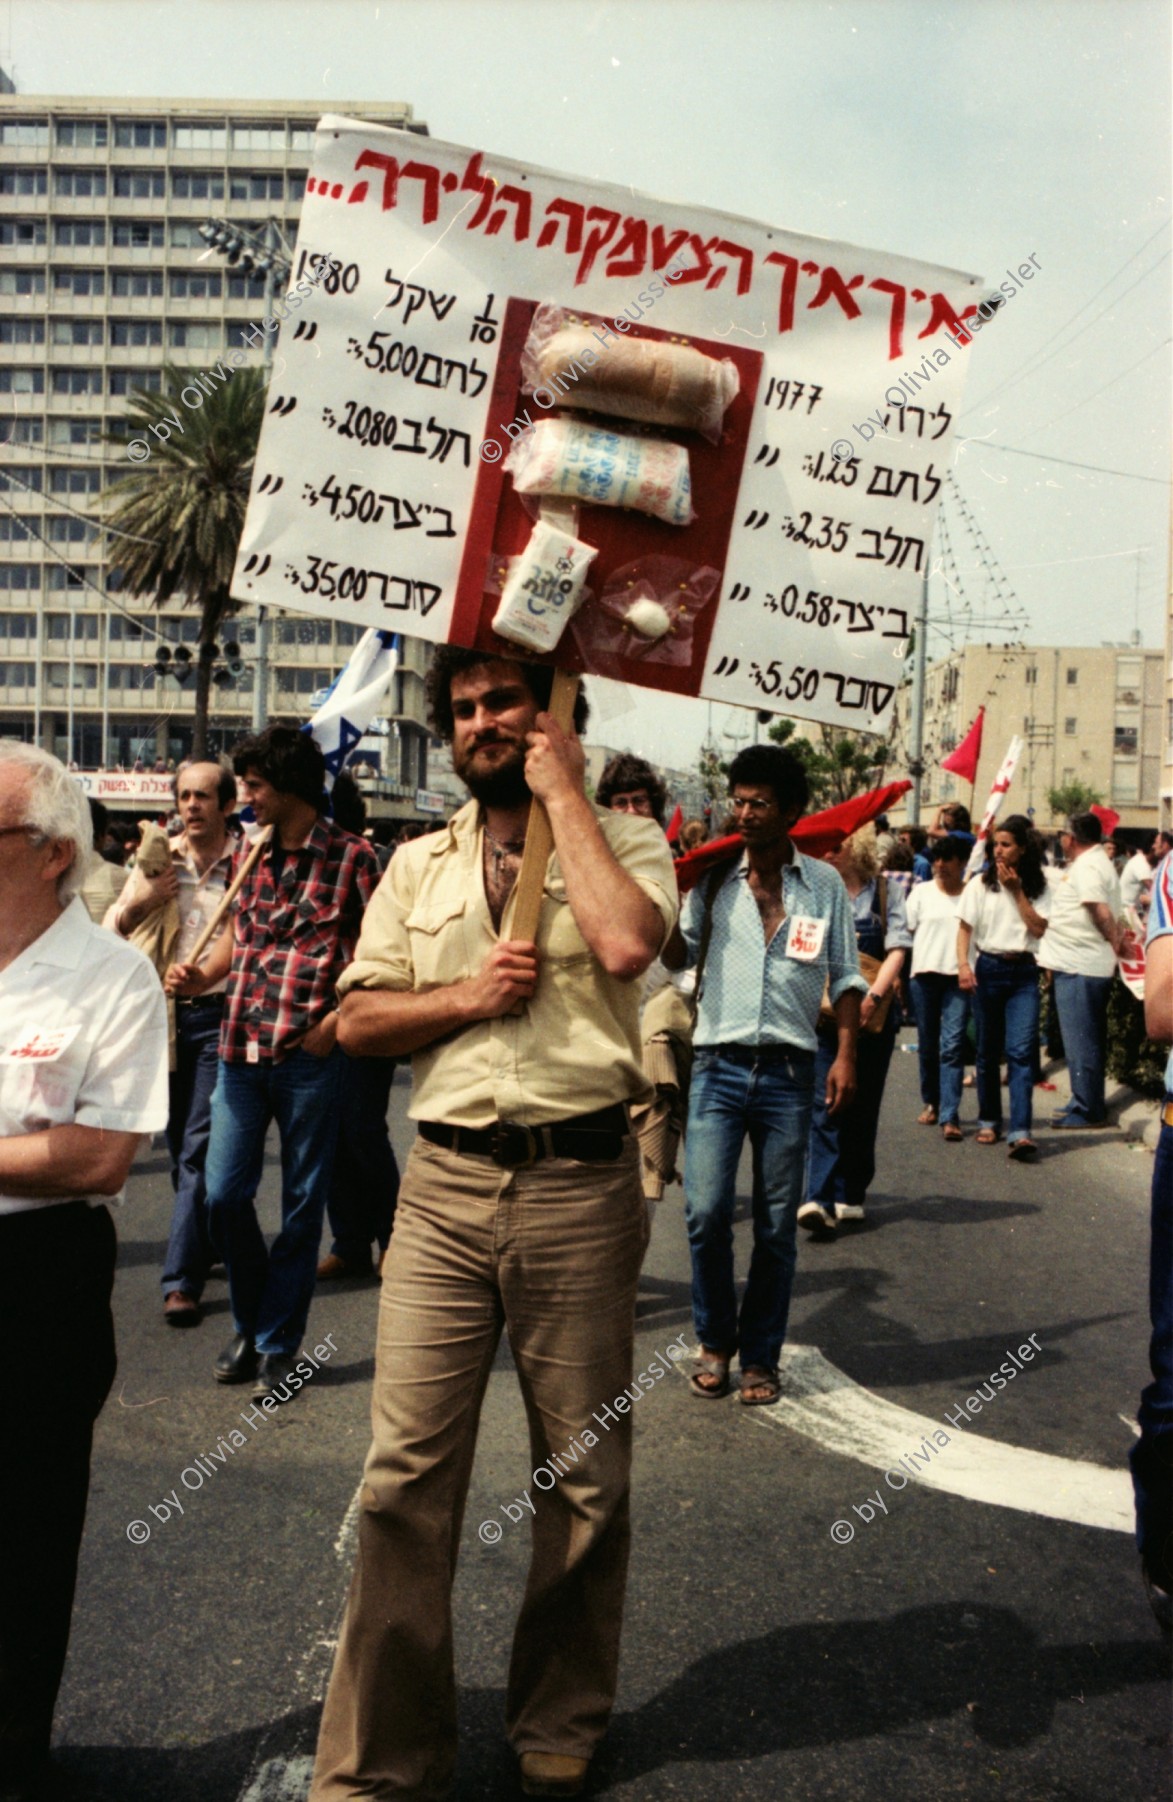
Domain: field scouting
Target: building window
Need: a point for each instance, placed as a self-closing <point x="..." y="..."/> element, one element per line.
<point x="85" y="625"/>
<point x="136" y="284"/>
<point x="77" y="381"/>
<point x="140" y="134"/>
<point x="244" y="287"/>
<point x="65" y="528"/>
<point x="18" y="625"/>
<point x="138" y="184"/>
<point x="22" y="381"/>
<point x="75" y="431"/>
<point x="79" y="233"/>
<point x="29" y="475"/>
<point x="256" y="187"/>
<point x="137" y="333"/>
<point x="78" y="281"/>
<point x="303" y="631"/>
<point x="1125" y="741"/>
<point x="137" y="234"/>
<point x="75" y="481"/>
<point x="254" y="135"/>
<point x="1072" y="677"/>
<point x="77" y="331"/>
<point x="1032" y="674"/>
<point x="197" y="184"/>
<point x="17" y="675"/>
<point x="78" y="184"/>
<point x="125" y="381"/>
<point x="303" y="681"/>
<point x="1069" y="728"/>
<point x="81" y="134"/>
<point x="85" y="675"/>
<point x="22" y="281"/>
<point x="20" y="576"/>
<point x="24" y="181"/>
<point x="203" y="284"/>
<point x="201" y="137"/>
<point x="204" y="334"/>
<point x="185" y="235"/>
<point x="68" y="576"/>
<point x="21" y="430"/>
<point x="22" y="331"/>
<point x="301" y="137"/>
<point x="27" y="133"/>
<point x="23" y="231"/>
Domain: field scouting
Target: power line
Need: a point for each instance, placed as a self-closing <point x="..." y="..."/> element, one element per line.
<point x="56" y="502"/>
<point x="1046" y="457"/>
<point x="1109" y="384"/>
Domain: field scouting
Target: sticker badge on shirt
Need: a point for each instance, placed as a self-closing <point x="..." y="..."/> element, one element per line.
<point x="252" y="1052"/>
<point x="804" y="941"/>
<point x="41" y="1047"/>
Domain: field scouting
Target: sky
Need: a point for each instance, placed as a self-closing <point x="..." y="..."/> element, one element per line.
<point x="971" y="136"/>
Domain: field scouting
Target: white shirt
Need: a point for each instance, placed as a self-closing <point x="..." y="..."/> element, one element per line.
<point x="1076" y="946"/>
<point x="932" y="920"/>
<point x="1136" y="874"/>
<point x="83" y="1039"/>
<point x="995" y="919"/>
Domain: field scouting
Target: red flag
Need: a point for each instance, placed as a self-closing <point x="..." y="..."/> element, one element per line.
<point x="964" y="760"/>
<point x="816" y="835"/>
<point x="672" y="830"/>
<point x="1108" y="819"/>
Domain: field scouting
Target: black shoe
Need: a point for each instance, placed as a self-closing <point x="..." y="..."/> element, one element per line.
<point x="272" y="1377"/>
<point x="237" y="1363"/>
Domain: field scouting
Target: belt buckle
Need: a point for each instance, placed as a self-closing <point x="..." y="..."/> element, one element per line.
<point x="513" y="1146"/>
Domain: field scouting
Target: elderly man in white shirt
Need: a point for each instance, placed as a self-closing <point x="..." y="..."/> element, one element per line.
<point x="1083" y="939"/>
<point x="83" y="1074"/>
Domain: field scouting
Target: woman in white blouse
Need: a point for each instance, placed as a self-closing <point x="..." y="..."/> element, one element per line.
<point x="1000" y="922"/>
<point x="941" y="1006"/>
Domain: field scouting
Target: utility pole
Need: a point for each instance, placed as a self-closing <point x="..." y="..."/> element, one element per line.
<point x="920" y="650"/>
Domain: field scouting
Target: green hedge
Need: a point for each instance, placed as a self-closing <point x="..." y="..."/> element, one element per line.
<point x="1132" y="1058"/>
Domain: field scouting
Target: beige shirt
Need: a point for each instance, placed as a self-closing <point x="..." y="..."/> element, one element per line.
<point x="576" y="1046"/>
<point x="199" y="897"/>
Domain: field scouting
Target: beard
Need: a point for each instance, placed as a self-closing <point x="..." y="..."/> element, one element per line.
<point x="502" y="785"/>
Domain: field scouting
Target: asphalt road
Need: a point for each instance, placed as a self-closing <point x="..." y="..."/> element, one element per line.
<point x="954" y="1648"/>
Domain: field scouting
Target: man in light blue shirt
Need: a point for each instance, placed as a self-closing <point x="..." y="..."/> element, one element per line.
<point x="779" y="932"/>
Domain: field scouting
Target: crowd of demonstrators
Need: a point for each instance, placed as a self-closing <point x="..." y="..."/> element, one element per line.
<point x="767" y="931"/>
<point x="84" y="1075"/>
<point x="364" y="1184"/>
<point x="940" y="1005"/>
<point x="842" y="1159"/>
<point x="1152" y="1455"/>
<point x="1082" y="943"/>
<point x="293" y="933"/>
<point x="520" y="1207"/>
<point x="1002" y="917"/>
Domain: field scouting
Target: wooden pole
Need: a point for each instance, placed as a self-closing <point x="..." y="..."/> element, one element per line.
<point x="221" y="913"/>
<point x="539" y="840"/>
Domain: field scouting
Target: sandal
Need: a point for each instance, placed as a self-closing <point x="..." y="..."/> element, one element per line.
<point x="952" y="1133"/>
<point x="928" y="1118"/>
<point x="715" y="1366"/>
<point x="989" y="1135"/>
<point x="1023" y="1148"/>
<point x="758" y="1377"/>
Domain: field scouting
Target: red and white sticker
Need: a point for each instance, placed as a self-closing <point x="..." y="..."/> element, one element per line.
<point x="805" y="938"/>
<point x="41" y="1047"/>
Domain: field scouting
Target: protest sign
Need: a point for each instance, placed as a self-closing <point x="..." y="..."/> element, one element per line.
<point x="782" y="553"/>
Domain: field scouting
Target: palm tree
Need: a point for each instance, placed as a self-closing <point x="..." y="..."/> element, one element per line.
<point x="183" y="506"/>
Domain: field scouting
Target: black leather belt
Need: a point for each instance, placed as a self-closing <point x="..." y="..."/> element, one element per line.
<point x="1011" y="957"/>
<point x="591" y="1138"/>
<point x="204" y="1001"/>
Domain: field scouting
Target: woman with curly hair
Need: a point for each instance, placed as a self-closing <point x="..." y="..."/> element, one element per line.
<point x="1002" y="917"/>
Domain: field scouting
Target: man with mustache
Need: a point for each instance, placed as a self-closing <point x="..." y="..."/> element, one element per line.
<point x="520" y="1207"/>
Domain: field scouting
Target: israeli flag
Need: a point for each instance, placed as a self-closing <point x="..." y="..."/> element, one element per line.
<point x="354" y="697"/>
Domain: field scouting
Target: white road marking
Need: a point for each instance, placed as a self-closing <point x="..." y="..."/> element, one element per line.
<point x="823" y="1404"/>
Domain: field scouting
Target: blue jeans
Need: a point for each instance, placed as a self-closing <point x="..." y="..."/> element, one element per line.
<point x="1006" y="1015"/>
<point x="1082" y="1002"/>
<point x="842" y="1158"/>
<point x="766" y="1093"/>
<point x="365" y="1184"/>
<point x="189" y="1123"/>
<point x="271" y="1289"/>
<point x="942" y="1011"/>
<point x="1151" y="1457"/>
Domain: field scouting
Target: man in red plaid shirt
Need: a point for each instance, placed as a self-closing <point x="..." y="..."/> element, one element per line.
<point x="293" y="933"/>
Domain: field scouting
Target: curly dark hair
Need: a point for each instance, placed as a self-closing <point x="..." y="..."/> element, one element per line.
<point x="453" y="660"/>
<point x="769" y="766"/>
<point x="288" y="759"/>
<point x="1030" y="864"/>
<point x="624" y="772"/>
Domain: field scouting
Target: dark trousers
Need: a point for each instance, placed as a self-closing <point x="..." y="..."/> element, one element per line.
<point x="842" y="1156"/>
<point x="189" y="1123"/>
<point x="1152" y="1455"/>
<point x="365" y="1184"/>
<point x="56" y="1275"/>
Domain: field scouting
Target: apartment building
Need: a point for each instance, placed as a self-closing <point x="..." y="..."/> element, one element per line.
<point x="1087" y="714"/>
<point x="104" y="277"/>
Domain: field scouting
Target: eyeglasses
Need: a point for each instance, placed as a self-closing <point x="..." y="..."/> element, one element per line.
<point x="33" y="832"/>
<point x="755" y="806"/>
<point x="638" y="803"/>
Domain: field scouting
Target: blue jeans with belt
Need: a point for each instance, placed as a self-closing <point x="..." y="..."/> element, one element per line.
<point x="1082" y="1004"/>
<point x="942" y="1010"/>
<point x="271" y="1289"/>
<point x="1006" y="1020"/>
<point x="764" y="1092"/>
<point x="189" y="1124"/>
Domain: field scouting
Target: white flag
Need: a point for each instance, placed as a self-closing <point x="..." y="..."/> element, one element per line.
<point x="354" y="697"/>
<point x="1002" y="782"/>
